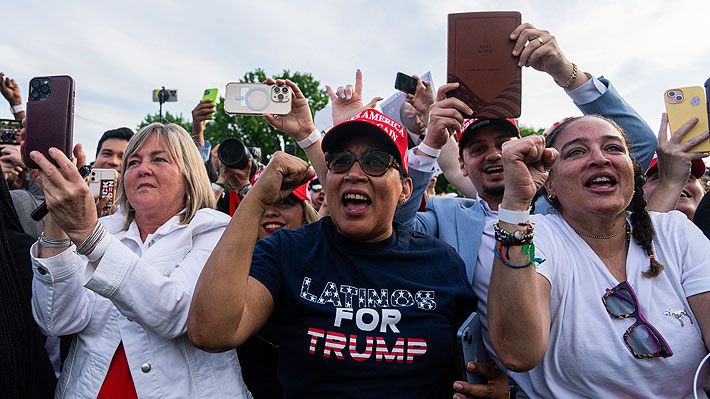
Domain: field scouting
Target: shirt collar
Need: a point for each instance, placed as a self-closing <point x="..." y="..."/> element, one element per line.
<point x="486" y="209"/>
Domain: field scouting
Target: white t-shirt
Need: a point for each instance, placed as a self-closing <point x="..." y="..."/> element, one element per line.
<point x="586" y="356"/>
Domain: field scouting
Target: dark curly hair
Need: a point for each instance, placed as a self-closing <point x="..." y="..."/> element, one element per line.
<point x="642" y="229"/>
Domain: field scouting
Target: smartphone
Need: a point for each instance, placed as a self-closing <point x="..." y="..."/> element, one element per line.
<point x="104" y="182"/>
<point x="210" y="94"/>
<point x="166" y="95"/>
<point x="470" y="336"/>
<point x="257" y="99"/>
<point x="405" y="83"/>
<point x="50" y="117"/>
<point x="10" y="131"/>
<point x="480" y="59"/>
<point x="681" y="105"/>
<point x="290" y="149"/>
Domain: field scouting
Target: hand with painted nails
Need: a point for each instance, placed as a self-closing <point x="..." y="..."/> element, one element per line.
<point x="497" y="386"/>
<point x="347" y="101"/>
<point x="299" y="122"/>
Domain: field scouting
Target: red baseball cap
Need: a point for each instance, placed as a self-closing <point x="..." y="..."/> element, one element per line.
<point x="301" y="192"/>
<point x="697" y="167"/>
<point x="377" y="125"/>
<point x="469" y="125"/>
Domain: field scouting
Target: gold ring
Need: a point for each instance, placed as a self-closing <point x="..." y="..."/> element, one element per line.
<point x="540" y="40"/>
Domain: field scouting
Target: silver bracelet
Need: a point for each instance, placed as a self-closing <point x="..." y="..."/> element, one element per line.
<point x="90" y="242"/>
<point x="310" y="140"/>
<point x="53" y="243"/>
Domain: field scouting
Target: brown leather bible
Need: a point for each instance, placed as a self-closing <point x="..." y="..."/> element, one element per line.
<point x="480" y="59"/>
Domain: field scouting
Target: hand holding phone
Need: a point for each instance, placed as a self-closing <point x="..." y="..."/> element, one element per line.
<point x="257" y="99"/>
<point x="470" y="336"/>
<point x="50" y="117"/>
<point x="210" y="94"/>
<point x="685" y="103"/>
<point x="405" y="83"/>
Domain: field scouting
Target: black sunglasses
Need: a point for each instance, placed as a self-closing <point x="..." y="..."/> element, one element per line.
<point x="373" y="163"/>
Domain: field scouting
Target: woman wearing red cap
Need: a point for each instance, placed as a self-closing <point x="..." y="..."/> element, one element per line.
<point x="359" y="306"/>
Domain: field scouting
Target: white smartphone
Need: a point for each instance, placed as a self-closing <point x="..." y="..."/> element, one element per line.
<point x="103" y="182"/>
<point x="257" y="99"/>
<point x="470" y="336"/>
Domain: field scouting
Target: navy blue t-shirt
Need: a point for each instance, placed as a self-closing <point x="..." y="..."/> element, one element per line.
<point x="363" y="320"/>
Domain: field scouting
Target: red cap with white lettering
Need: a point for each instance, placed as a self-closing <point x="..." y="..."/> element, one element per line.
<point x="390" y="134"/>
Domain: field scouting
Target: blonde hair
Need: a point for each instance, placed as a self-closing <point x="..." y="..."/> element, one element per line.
<point x="181" y="148"/>
<point x="310" y="214"/>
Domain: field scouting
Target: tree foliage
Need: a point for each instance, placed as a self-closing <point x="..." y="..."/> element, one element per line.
<point x="167" y="118"/>
<point x="253" y="130"/>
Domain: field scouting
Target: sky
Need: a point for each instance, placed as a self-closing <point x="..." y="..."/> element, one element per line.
<point x="118" y="52"/>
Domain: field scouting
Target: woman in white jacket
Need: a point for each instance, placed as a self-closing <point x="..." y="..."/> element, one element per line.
<point x="123" y="285"/>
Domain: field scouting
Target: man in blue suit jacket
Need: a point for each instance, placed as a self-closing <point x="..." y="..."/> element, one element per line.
<point x="467" y="224"/>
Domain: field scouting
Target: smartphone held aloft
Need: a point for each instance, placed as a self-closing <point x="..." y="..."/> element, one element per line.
<point x="257" y="99"/>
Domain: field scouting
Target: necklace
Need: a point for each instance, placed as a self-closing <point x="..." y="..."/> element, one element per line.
<point x="596" y="237"/>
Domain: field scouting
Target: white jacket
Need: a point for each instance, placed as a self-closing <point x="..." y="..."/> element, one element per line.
<point x="140" y="294"/>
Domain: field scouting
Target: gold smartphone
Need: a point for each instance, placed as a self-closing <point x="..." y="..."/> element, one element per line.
<point x="685" y="103"/>
<point x="257" y="99"/>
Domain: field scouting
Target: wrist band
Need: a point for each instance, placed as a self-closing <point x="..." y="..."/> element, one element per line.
<point x="53" y="243"/>
<point x="513" y="217"/>
<point x="217" y="187"/>
<point x="571" y="79"/>
<point x="431" y="151"/>
<point x="100" y="248"/>
<point x="310" y="140"/>
<point x="15" y="109"/>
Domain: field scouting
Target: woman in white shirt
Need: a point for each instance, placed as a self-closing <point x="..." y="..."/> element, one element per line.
<point x="123" y="285"/>
<point x="618" y="301"/>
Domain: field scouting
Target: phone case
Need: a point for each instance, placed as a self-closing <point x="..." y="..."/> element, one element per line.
<point x="210" y="94"/>
<point x="104" y="182"/>
<point x="50" y="121"/>
<point x="470" y="336"/>
<point x="405" y="83"/>
<point x="257" y="99"/>
<point x="681" y="105"/>
<point x="480" y="59"/>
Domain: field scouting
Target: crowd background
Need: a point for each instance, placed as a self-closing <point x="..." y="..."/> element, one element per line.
<point x="118" y="56"/>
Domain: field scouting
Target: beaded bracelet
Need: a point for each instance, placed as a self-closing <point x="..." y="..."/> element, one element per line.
<point x="518" y="237"/>
<point x="528" y="249"/>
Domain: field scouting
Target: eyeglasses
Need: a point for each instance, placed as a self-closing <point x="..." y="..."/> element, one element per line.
<point x="374" y="163"/>
<point x="642" y="339"/>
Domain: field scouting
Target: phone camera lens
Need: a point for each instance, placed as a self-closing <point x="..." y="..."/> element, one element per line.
<point x="284" y="89"/>
<point x="207" y="91"/>
<point x="45" y="89"/>
<point x="671" y="94"/>
<point x="34" y="94"/>
<point x="35" y="84"/>
<point x="679" y="98"/>
<point x="276" y="89"/>
<point x="281" y="96"/>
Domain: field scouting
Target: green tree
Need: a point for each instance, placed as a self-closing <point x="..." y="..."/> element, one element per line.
<point x="529" y="130"/>
<point x="167" y="118"/>
<point x="254" y="131"/>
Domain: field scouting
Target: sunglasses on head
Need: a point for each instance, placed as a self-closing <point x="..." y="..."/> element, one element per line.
<point x="642" y="339"/>
<point x="373" y="163"/>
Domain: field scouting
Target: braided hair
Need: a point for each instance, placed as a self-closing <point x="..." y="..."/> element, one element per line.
<point x="642" y="229"/>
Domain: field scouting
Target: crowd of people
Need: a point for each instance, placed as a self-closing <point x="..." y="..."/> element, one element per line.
<point x="214" y="276"/>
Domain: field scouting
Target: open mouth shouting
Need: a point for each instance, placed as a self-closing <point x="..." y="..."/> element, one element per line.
<point x="355" y="203"/>
<point x="601" y="182"/>
<point x="494" y="171"/>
